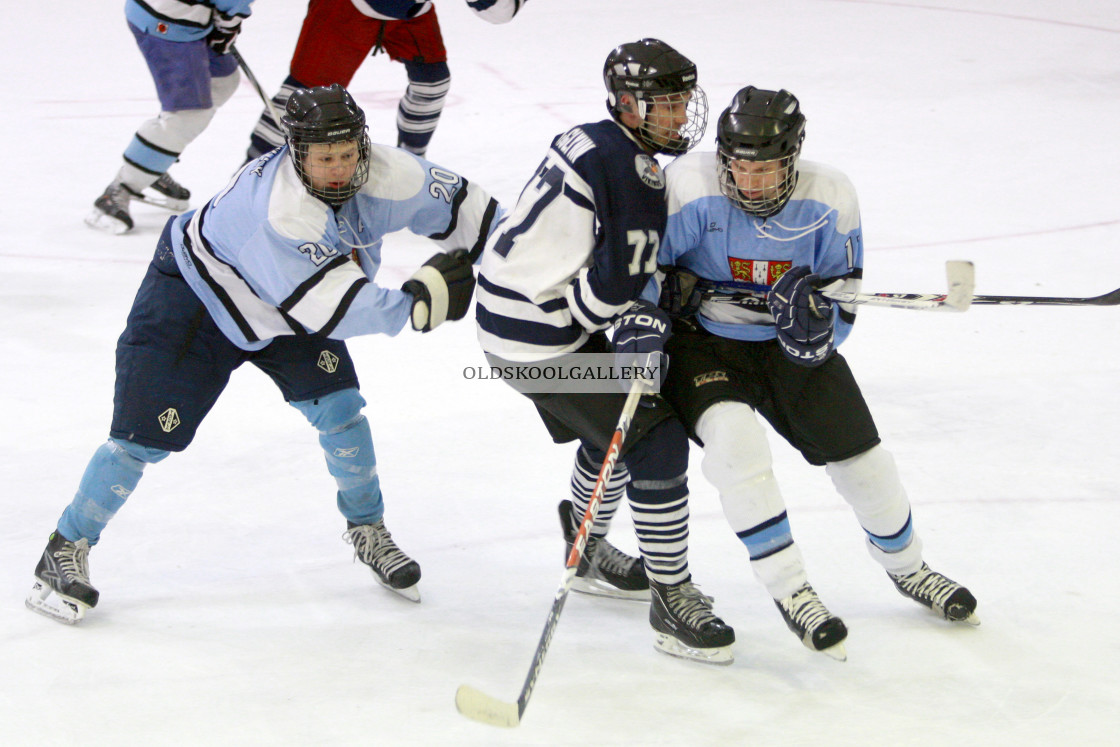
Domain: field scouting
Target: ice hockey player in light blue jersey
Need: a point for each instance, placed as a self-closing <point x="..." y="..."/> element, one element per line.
<point x="277" y="270"/>
<point x="754" y="235"/>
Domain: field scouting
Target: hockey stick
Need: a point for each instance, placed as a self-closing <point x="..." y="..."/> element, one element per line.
<point x="1108" y="299"/>
<point x="960" y="275"/>
<point x="256" y="84"/>
<point x="477" y="705"/>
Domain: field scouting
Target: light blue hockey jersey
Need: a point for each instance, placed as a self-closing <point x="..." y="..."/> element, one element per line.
<point x="266" y="258"/>
<point x="180" y="20"/>
<point x="707" y="234"/>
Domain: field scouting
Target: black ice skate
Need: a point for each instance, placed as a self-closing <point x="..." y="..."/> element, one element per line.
<point x="62" y="590"/>
<point x="110" y="210"/>
<point x="604" y="570"/>
<point x="684" y="625"/>
<point x="166" y="193"/>
<point x="811" y="621"/>
<point x="394" y="570"/>
<point x="944" y="596"/>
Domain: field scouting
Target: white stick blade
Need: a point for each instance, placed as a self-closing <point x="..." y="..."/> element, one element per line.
<point x="961" y="275"/>
<point x="477" y="705"/>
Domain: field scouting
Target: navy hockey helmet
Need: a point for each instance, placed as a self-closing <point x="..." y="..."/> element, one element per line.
<point x="759" y="140"/>
<point x="652" y="72"/>
<point x="326" y="115"/>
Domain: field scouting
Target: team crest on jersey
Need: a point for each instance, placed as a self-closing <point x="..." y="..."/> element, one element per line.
<point x="760" y="271"/>
<point x="169" y="419"/>
<point x="711" y="377"/>
<point x="649" y="171"/>
<point x="328" y="361"/>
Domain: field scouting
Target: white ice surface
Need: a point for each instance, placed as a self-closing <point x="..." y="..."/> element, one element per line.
<point x="231" y="613"/>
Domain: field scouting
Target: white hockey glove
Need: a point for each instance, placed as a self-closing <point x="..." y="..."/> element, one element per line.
<point x="496" y="11"/>
<point x="441" y="289"/>
<point x="225" y="31"/>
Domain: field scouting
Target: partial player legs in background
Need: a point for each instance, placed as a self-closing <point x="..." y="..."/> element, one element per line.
<point x="420" y="108"/>
<point x="870" y="483"/>
<point x="347" y="444"/>
<point x="604" y="569"/>
<point x="192" y="81"/>
<point x="737" y="463"/>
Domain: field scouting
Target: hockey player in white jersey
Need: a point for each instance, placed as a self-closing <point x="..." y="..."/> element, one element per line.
<point x="753" y="235"/>
<point x="187" y="47"/>
<point x="567" y="264"/>
<point x="277" y="270"/>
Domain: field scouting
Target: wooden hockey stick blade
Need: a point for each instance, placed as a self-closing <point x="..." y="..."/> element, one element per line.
<point x="478" y="706"/>
<point x="961" y="277"/>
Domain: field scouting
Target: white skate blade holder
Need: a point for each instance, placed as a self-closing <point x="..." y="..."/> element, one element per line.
<point x="599" y="588"/>
<point x="837" y="652"/>
<point x="46" y="601"/>
<point x="107" y="223"/>
<point x="411" y="593"/>
<point x="667" y="644"/>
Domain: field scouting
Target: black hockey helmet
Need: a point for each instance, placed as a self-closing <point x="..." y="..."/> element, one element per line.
<point x="759" y="126"/>
<point x="326" y="115"/>
<point x="653" y="72"/>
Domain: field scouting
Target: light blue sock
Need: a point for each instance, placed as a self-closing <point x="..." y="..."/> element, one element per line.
<point x="347" y="445"/>
<point x="110" y="477"/>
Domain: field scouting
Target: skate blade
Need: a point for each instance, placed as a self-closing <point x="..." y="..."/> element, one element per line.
<point x="667" y="644"/>
<point x="49" y="603"/>
<point x="107" y="223"/>
<point x="599" y="588"/>
<point x="836" y="651"/>
<point x="411" y="593"/>
<point x="972" y="620"/>
<point x="162" y="201"/>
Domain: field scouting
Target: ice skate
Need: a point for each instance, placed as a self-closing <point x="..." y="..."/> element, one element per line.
<point x="944" y="596"/>
<point x="604" y="570"/>
<point x="811" y="621"/>
<point x="394" y="570"/>
<point x="62" y="590"/>
<point x="166" y="193"/>
<point x="684" y="625"/>
<point x="110" y="210"/>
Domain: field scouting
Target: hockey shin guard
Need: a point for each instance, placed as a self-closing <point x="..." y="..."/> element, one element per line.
<point x="658" y="495"/>
<point x="585" y="473"/>
<point x="347" y="445"/>
<point x="110" y="477"/>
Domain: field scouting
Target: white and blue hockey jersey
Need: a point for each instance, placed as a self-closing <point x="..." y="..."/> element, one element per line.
<point x="180" y="20"/>
<point x="819" y="227"/>
<point x="266" y="258"/>
<point x="576" y="250"/>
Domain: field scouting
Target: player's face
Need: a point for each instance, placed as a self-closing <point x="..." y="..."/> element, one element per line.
<point x="666" y="116"/>
<point x="759" y="180"/>
<point x="330" y="166"/>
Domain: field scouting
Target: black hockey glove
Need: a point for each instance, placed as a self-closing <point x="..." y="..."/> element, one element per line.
<point x="441" y="289"/>
<point x="225" y="31"/>
<point x="802" y="316"/>
<point x="679" y="295"/>
<point x="639" y="342"/>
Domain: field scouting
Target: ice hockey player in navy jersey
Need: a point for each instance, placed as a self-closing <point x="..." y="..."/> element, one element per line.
<point x="567" y="264"/>
<point x="187" y="47"/>
<point x="754" y="235"/>
<point x="277" y="270"/>
<point x="337" y="36"/>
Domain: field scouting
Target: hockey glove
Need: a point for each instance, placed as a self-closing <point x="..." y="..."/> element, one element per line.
<point x="679" y="295"/>
<point x="441" y="289"/>
<point x="802" y="317"/>
<point x="639" y="341"/>
<point x="225" y="31"/>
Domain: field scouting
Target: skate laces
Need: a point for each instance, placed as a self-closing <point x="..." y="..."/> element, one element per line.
<point x="805" y="608"/>
<point x="688" y="604"/>
<point x="374" y="546"/>
<point x="612" y="560"/>
<point x="73" y="560"/>
<point x="925" y="583"/>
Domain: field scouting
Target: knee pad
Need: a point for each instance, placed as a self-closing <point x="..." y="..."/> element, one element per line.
<point x="428" y="72"/>
<point x="658" y="463"/>
<point x="145" y="454"/>
<point x="333" y="412"/>
<point x="735" y="447"/>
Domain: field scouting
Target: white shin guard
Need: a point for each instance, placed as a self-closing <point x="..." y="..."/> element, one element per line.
<point x="870" y="484"/>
